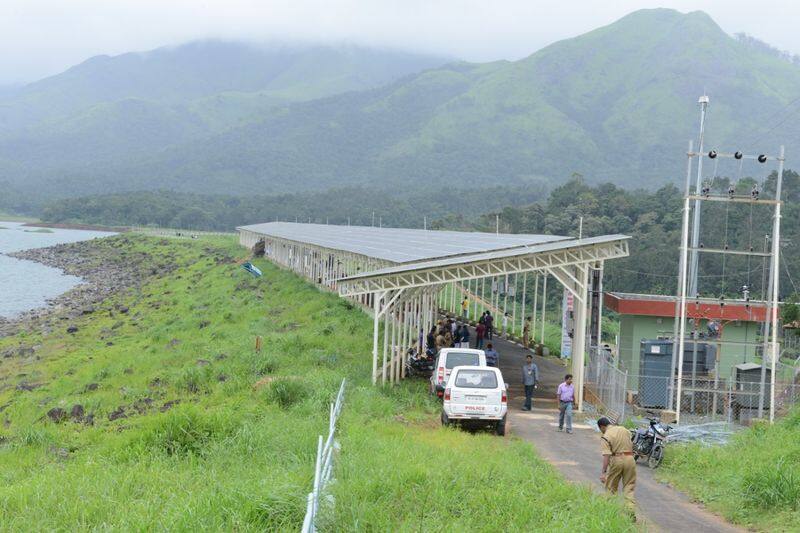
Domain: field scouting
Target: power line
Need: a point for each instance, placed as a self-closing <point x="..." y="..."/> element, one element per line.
<point x="785" y="118"/>
<point x="782" y="109"/>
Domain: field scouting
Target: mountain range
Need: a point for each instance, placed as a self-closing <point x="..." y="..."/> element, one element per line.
<point x="616" y="104"/>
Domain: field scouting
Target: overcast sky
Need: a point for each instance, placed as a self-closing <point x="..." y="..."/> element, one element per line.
<point x="43" y="37"/>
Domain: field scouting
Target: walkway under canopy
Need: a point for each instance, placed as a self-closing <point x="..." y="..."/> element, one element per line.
<point x="406" y="277"/>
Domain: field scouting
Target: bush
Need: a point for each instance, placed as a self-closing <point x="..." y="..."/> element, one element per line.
<point x="196" y="379"/>
<point x="262" y="365"/>
<point x="184" y="430"/>
<point x="286" y="392"/>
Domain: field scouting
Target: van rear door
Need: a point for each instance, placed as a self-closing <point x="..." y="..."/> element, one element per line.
<point x="455" y="359"/>
<point x="475" y="392"/>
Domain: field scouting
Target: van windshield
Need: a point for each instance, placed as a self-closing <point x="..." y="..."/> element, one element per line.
<point x="476" y="379"/>
<point x="455" y="359"/>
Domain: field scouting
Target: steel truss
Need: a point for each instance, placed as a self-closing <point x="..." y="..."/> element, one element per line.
<point x="404" y="299"/>
<point x="554" y="261"/>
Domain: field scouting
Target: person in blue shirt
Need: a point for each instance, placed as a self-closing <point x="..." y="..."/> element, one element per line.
<point x="530" y="377"/>
<point x="492" y="357"/>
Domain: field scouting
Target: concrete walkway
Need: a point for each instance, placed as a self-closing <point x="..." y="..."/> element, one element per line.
<point x="577" y="455"/>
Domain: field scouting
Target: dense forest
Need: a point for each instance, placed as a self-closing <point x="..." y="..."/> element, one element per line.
<point x="653" y="219"/>
<point x="356" y="205"/>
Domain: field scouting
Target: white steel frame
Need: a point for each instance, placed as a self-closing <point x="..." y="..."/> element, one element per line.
<point x="399" y="286"/>
<point x="405" y="300"/>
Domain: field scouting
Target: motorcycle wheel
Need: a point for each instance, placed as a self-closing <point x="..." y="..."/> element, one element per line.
<point x="656" y="455"/>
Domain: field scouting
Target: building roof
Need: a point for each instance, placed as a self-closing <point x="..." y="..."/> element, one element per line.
<point x="398" y="245"/>
<point x="566" y="243"/>
<point x="666" y="306"/>
<point x="747" y="366"/>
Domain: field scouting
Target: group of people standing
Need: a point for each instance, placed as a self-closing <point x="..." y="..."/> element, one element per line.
<point x="451" y="334"/>
<point x="448" y="334"/>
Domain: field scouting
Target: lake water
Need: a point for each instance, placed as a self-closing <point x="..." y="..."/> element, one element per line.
<point x="27" y="285"/>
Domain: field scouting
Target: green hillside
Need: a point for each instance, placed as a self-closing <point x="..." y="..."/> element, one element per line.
<point x="157" y="413"/>
<point x="616" y="104"/>
<point x="127" y="107"/>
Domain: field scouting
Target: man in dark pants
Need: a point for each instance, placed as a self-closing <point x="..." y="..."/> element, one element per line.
<point x="530" y="376"/>
<point x="489" y="322"/>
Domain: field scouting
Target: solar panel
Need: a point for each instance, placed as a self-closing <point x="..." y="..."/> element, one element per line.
<point x="491" y="255"/>
<point x="398" y="245"/>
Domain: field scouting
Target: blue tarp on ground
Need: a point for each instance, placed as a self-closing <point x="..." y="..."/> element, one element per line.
<point x="250" y="267"/>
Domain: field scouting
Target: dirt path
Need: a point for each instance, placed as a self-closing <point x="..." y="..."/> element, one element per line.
<point x="577" y="455"/>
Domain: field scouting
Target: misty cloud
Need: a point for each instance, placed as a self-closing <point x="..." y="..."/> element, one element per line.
<point x="43" y="37"/>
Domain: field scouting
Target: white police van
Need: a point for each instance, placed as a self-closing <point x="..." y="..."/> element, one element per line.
<point x="448" y="359"/>
<point x="476" y="396"/>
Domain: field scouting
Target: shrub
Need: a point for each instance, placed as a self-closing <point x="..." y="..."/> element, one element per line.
<point x="184" y="430"/>
<point x="196" y="379"/>
<point x="262" y="365"/>
<point x="286" y="392"/>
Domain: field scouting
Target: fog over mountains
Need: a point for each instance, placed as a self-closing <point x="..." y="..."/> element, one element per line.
<point x="616" y="104"/>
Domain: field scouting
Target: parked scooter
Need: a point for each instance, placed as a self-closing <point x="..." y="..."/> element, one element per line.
<point x="650" y="442"/>
<point x="421" y="364"/>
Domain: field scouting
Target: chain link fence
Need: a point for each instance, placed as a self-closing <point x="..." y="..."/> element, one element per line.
<point x="706" y="397"/>
<point x="606" y="386"/>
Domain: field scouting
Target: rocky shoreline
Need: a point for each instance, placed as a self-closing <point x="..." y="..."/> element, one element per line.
<point x="101" y="279"/>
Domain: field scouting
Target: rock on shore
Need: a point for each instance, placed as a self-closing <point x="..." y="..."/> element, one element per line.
<point x="103" y="273"/>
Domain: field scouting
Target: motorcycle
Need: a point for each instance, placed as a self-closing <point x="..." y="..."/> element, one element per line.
<point x="650" y="442"/>
<point x="421" y="364"/>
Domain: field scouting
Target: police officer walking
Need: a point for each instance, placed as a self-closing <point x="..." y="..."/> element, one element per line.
<point x="619" y="465"/>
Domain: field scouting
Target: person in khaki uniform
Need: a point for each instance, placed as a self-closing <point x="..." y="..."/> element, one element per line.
<point x="618" y="462"/>
<point x="526" y="333"/>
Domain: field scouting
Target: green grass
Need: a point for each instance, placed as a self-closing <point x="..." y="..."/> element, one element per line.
<point x="216" y="436"/>
<point x="754" y="480"/>
<point x="8" y="217"/>
<point x="39" y="230"/>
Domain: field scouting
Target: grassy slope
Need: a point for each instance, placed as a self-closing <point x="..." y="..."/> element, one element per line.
<point x="754" y="480"/>
<point x="237" y="451"/>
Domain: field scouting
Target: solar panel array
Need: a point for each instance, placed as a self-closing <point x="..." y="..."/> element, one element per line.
<point x="396" y="244"/>
<point x="491" y="255"/>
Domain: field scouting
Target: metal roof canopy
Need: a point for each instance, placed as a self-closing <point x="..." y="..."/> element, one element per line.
<point x="552" y="257"/>
<point x="568" y="260"/>
<point x="398" y="245"/>
<point x="404" y="294"/>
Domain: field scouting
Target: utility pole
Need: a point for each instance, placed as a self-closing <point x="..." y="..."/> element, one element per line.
<point x="703" y="101"/>
<point x="497" y="224"/>
<point x="373" y="219"/>
<point x="688" y="286"/>
<point x="425" y="223"/>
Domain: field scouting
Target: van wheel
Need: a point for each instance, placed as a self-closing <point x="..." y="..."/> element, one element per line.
<point x="445" y="419"/>
<point x="501" y="427"/>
